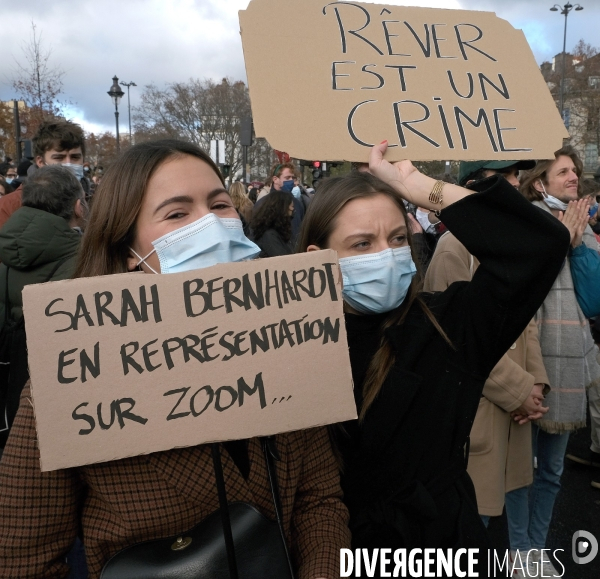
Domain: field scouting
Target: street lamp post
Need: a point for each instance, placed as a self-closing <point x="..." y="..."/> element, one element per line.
<point x="565" y="11"/>
<point x="115" y="93"/>
<point x="128" y="84"/>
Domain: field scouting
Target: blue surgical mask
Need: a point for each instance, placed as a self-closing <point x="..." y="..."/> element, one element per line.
<point x="296" y="192"/>
<point x="9" y="180"/>
<point x="205" y="242"/>
<point x="287" y="186"/>
<point x="377" y="282"/>
<point x="75" y="168"/>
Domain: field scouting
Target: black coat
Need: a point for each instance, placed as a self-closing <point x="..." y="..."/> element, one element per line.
<point x="405" y="480"/>
<point x="38" y="247"/>
<point x="272" y="245"/>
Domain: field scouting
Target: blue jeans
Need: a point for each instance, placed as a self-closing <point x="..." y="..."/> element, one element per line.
<point x="550" y="452"/>
<point x="529" y="509"/>
<point x="517" y="515"/>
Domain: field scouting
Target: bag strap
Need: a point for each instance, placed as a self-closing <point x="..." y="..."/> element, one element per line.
<point x="7" y="305"/>
<point x="223" y="507"/>
<point x="270" y="451"/>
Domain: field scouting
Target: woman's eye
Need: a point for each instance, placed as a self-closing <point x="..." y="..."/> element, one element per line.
<point x="400" y="239"/>
<point x="176" y="215"/>
<point x="219" y="206"/>
<point x="361" y="245"/>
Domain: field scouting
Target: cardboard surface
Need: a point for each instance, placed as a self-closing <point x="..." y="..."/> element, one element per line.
<point x="129" y="364"/>
<point x="329" y="79"/>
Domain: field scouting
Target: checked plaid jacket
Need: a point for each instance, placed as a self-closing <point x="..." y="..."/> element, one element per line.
<point x="119" y="503"/>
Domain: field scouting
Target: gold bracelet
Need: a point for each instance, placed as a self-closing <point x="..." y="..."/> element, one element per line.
<point x="436" y="196"/>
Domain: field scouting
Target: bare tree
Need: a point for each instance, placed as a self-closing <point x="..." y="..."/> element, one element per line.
<point x="584" y="50"/>
<point x="582" y="97"/>
<point x="38" y="82"/>
<point x="101" y="149"/>
<point x="200" y="111"/>
<point x="261" y="158"/>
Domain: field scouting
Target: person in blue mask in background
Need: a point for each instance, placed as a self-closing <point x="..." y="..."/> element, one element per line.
<point x="419" y="361"/>
<point x="161" y="208"/>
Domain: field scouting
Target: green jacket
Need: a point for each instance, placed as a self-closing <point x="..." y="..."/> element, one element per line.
<point x="32" y="244"/>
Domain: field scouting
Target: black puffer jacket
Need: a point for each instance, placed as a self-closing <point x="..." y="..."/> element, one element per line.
<point x="35" y="247"/>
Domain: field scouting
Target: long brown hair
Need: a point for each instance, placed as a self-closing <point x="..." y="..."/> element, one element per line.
<point x="117" y="202"/>
<point x="539" y="172"/>
<point x="317" y="227"/>
<point x="273" y="213"/>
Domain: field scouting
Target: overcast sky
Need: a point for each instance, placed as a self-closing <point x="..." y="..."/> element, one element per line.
<point x="163" y="41"/>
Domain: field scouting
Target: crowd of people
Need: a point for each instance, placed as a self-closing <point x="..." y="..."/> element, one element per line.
<point x="470" y="310"/>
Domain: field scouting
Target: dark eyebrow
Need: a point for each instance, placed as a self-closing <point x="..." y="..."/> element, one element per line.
<point x="216" y="192"/>
<point x="363" y="235"/>
<point x="188" y="199"/>
<point x="400" y="229"/>
<point x="176" y="199"/>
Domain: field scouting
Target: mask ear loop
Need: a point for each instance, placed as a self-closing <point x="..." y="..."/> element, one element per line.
<point x="544" y="188"/>
<point x="143" y="259"/>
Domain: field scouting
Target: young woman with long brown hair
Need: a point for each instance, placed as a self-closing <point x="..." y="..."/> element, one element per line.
<point x="152" y="193"/>
<point x="419" y="361"/>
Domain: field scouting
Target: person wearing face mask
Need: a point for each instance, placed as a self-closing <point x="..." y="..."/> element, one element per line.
<point x="162" y="207"/>
<point x="283" y="175"/>
<point x="566" y="343"/>
<point x="16" y="185"/>
<point x="8" y="171"/>
<point x="419" y="361"/>
<point x="11" y="173"/>
<point x="500" y="458"/>
<point x="5" y="187"/>
<point x="271" y="225"/>
<point x="55" y="143"/>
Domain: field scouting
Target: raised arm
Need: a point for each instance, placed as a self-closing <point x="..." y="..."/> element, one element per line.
<point x="520" y="249"/>
<point x="413" y="185"/>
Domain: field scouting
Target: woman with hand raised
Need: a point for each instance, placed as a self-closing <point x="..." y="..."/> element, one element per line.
<point x="419" y="361"/>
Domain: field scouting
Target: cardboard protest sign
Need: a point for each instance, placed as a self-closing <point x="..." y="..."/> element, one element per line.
<point x="328" y="80"/>
<point x="129" y="364"/>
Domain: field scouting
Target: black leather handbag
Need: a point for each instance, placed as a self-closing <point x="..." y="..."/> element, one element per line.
<point x="235" y="542"/>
